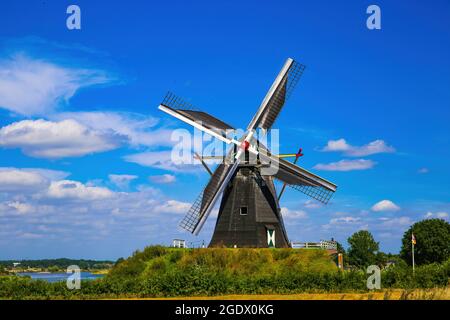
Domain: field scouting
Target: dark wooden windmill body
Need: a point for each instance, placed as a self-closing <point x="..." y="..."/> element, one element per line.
<point x="249" y="213"/>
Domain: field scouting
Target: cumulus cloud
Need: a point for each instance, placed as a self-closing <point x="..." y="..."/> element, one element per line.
<point x="346" y="165"/>
<point x="17" y="206"/>
<point x="36" y="87"/>
<point x="161" y="160"/>
<point x="346" y="223"/>
<point x="48" y="139"/>
<point x="400" y="222"/>
<point x="122" y="180"/>
<point x="440" y="215"/>
<point x="345" y="220"/>
<point x="67" y="211"/>
<point x="164" y="178"/>
<point x="69" y="189"/>
<point x="312" y="204"/>
<point x="12" y="179"/>
<point x="341" y="145"/>
<point x="385" y="205"/>
<point x="173" y="206"/>
<point x="293" y="214"/>
<point x="139" y="129"/>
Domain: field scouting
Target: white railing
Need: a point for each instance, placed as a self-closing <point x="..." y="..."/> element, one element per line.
<point x="323" y="244"/>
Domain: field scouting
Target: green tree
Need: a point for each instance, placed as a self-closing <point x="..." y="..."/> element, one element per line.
<point x="3" y="271"/>
<point x="363" y="249"/>
<point x="381" y="258"/>
<point x="120" y="260"/>
<point x="432" y="242"/>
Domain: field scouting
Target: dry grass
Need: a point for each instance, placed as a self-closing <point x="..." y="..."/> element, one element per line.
<point x="395" y="294"/>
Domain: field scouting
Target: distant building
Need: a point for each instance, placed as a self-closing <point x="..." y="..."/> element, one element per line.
<point x="179" y="243"/>
<point x="15" y="264"/>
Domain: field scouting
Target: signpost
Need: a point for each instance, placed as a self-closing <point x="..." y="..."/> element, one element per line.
<point x="413" y="242"/>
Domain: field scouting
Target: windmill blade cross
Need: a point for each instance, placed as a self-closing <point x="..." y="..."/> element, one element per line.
<point x="289" y="173"/>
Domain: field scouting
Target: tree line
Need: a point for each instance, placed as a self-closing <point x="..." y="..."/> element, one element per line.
<point x="432" y="246"/>
<point x="57" y="264"/>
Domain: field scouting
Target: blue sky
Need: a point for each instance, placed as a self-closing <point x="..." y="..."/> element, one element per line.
<point x="84" y="167"/>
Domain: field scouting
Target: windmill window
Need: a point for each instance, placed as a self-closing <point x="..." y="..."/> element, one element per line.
<point x="243" y="211"/>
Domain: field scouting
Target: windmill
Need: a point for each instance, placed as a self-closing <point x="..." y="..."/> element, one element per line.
<point x="249" y="213"/>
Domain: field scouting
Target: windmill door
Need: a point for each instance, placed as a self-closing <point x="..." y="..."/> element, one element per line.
<point x="270" y="237"/>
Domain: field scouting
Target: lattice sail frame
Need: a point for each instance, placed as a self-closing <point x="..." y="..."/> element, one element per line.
<point x="202" y="207"/>
<point x="281" y="95"/>
<point x="192" y="217"/>
<point x="185" y="111"/>
<point x="176" y="102"/>
<point x="277" y="95"/>
<point x="319" y="193"/>
<point x="298" y="178"/>
<point x="197" y="210"/>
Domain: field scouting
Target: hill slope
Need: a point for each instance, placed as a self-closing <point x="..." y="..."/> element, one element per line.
<point x="156" y="260"/>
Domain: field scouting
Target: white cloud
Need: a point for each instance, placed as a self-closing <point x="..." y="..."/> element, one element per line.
<point x="341" y="145"/>
<point x="293" y="214"/>
<point x="344" y="220"/>
<point x="164" y="178"/>
<point x="173" y="206"/>
<point x="440" y="215"/>
<point x="345" y="223"/>
<point x="12" y="179"/>
<point x="423" y="170"/>
<point x="69" y="189"/>
<point x="161" y="160"/>
<point x="312" y="204"/>
<point x="346" y="165"/>
<point x="337" y="145"/>
<point x="400" y="222"/>
<point x="385" y="205"/>
<point x="47" y="139"/>
<point x="19" y="207"/>
<point x="138" y="128"/>
<point x="122" y="180"/>
<point x="36" y="87"/>
<point x="65" y="211"/>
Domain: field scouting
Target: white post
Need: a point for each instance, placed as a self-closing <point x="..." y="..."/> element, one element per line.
<point x="413" y="264"/>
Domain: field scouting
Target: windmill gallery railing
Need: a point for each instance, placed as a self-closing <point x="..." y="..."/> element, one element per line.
<point x="323" y="244"/>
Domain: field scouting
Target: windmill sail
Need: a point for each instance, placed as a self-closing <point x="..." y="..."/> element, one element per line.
<point x="198" y="213"/>
<point x="278" y="93"/>
<point x="300" y="179"/>
<point x="186" y="112"/>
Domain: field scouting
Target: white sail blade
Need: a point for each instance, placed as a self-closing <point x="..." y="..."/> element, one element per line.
<point x="178" y="108"/>
<point x="200" y="210"/>
<point x="278" y="93"/>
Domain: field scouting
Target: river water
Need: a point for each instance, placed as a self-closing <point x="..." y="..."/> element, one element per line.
<point x="59" y="276"/>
